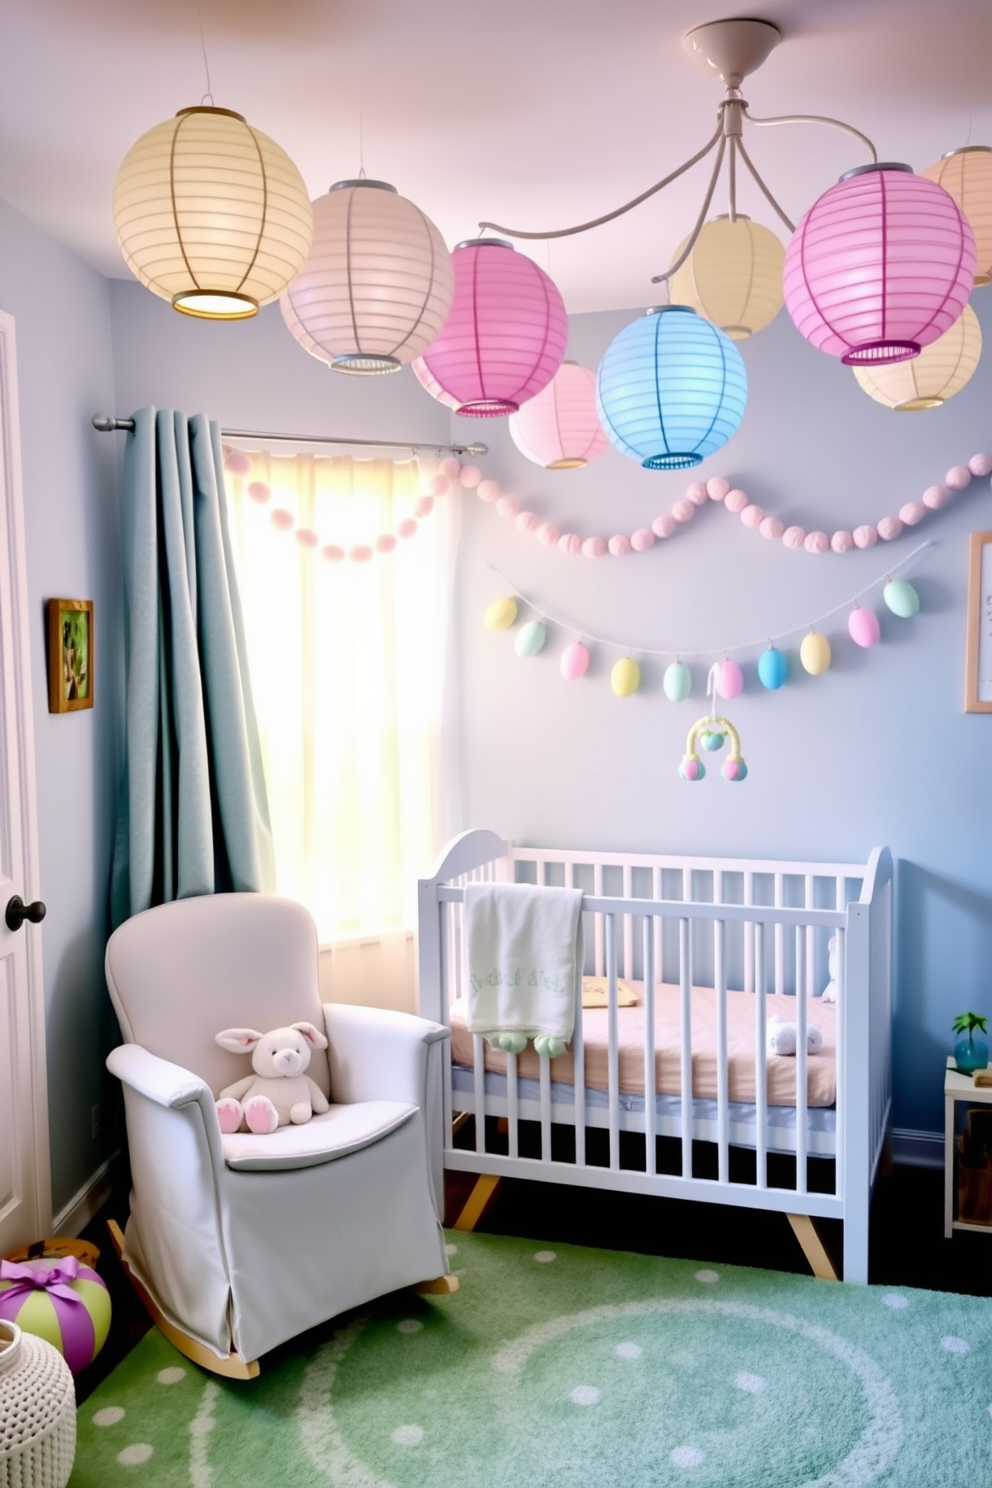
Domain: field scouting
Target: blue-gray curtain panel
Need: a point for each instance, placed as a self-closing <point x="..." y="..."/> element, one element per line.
<point x="193" y="815"/>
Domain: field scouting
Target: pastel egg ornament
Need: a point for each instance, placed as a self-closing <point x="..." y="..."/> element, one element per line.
<point x="729" y="679"/>
<point x="734" y="769"/>
<point x="773" y="668"/>
<point x="60" y="1300"/>
<point x="901" y="598"/>
<point x="863" y="627"/>
<point x="625" y="678"/>
<point x="671" y="389"/>
<point x="574" y="661"/>
<point x="501" y="614"/>
<point x="677" y="682"/>
<point x="814" y="653"/>
<point x="530" y="638"/>
<point x="692" y="768"/>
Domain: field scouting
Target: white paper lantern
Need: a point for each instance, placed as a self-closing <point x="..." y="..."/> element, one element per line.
<point x="559" y="428"/>
<point x="928" y="380"/>
<point x="378" y="284"/>
<point x="211" y="214"/>
<point x="733" y="276"/>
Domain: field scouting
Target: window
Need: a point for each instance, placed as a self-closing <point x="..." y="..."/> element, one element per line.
<point x="348" y="661"/>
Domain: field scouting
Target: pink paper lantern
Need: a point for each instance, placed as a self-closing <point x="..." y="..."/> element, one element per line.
<point x="505" y="336"/>
<point x="430" y="384"/>
<point x="574" y="661"/>
<point x="558" y="427"/>
<point x="881" y="265"/>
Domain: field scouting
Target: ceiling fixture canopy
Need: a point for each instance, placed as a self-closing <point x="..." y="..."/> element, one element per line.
<point x="211" y="214"/>
<point x="967" y="175"/>
<point x="505" y="336"/>
<point x="928" y="380"/>
<point x="378" y="284"/>
<point x="558" y="427"/>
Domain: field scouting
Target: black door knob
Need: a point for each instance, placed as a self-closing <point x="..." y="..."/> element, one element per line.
<point x="17" y="912"/>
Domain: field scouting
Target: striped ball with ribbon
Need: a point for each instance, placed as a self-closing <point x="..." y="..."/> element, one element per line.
<point x="60" y="1300"/>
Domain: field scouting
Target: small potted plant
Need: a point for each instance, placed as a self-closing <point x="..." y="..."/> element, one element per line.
<point x="971" y="1053"/>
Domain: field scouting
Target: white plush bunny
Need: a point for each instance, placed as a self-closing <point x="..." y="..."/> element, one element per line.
<point x="830" y="990"/>
<point x="782" y="1037"/>
<point x="279" y="1092"/>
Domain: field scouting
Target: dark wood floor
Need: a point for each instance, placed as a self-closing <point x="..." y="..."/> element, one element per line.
<point x="907" y="1240"/>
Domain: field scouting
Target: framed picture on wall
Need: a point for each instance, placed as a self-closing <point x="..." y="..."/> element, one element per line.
<point x="70" y="655"/>
<point x="978" y="658"/>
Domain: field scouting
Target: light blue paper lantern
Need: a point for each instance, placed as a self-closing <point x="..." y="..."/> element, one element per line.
<point x="671" y="389"/>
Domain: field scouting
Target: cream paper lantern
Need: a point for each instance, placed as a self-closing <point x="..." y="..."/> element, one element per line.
<point x="966" y="175"/>
<point x="378" y="284"/>
<point x="211" y="214"/>
<point x="733" y="276"/>
<point x="927" y="380"/>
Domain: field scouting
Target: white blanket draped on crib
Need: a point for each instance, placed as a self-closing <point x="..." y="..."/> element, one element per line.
<point x="523" y="946"/>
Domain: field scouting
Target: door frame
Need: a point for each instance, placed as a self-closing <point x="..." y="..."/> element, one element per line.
<point x="19" y="691"/>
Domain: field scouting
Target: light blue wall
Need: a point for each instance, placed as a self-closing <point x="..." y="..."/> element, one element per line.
<point x="71" y="533"/>
<point x="876" y="751"/>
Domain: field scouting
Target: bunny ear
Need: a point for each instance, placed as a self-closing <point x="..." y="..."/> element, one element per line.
<point x="238" y="1040"/>
<point x="311" y="1034"/>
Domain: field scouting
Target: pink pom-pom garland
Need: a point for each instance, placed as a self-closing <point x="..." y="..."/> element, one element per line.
<point x="735" y="501"/>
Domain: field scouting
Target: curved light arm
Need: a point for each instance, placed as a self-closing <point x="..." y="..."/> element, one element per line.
<point x="767" y="194"/>
<point x="697" y="229"/>
<point x="818" y="119"/>
<point x="566" y="232"/>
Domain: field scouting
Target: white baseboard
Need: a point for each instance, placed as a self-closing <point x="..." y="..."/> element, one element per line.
<point x="84" y="1205"/>
<point x="917" y="1149"/>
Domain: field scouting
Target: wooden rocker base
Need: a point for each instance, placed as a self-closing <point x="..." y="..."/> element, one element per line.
<point x="233" y="1367"/>
<point x="440" y="1286"/>
<point x="478" y="1201"/>
<point x="819" y="1262"/>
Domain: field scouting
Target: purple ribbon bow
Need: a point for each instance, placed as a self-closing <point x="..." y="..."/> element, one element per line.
<point x="29" y="1277"/>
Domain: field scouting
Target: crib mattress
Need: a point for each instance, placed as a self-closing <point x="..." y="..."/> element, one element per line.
<point x="821" y="1068"/>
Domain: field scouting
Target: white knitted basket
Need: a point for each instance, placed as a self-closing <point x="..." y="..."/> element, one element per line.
<point x="37" y="1412"/>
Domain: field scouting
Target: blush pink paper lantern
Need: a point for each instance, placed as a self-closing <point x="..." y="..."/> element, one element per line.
<point x="558" y="427"/>
<point x="881" y="265"/>
<point x="505" y="335"/>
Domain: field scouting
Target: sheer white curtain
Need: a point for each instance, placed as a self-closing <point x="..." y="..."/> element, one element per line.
<point x="348" y="663"/>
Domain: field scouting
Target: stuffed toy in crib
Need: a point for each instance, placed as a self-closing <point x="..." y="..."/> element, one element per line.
<point x="783" y="1036"/>
<point x="280" y="1092"/>
<point x="830" y="990"/>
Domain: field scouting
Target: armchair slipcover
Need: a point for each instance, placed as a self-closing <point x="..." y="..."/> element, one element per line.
<point x="245" y="1241"/>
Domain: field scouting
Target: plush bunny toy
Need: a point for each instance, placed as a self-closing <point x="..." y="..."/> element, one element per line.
<point x="279" y="1092"/>
<point x="782" y="1037"/>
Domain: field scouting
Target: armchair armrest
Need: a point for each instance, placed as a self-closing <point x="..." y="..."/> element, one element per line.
<point x="377" y="1054"/>
<point x="164" y="1083"/>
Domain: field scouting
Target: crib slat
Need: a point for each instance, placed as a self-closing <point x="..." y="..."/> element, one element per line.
<point x="801" y="1067"/>
<point x="479" y="1082"/>
<point x="748" y="934"/>
<point x="808" y="897"/>
<point x="779" y="937"/>
<point x="841" y="1062"/>
<point x="650" y="1062"/>
<point x="614" y="1039"/>
<point x="659" y="929"/>
<point x="597" y="886"/>
<point x="545" y="1108"/>
<point x="760" y="1057"/>
<point x="512" y="1106"/>
<point x="722" y="1068"/>
<point x="685" y="982"/>
<point x="578" y="1054"/>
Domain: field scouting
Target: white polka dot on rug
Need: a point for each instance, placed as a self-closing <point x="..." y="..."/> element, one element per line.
<point x="707" y="1277"/>
<point x="451" y="1250"/>
<point x="753" y="1384"/>
<point x="629" y="1351"/>
<point x="172" y="1375"/>
<point x="409" y="1325"/>
<point x="955" y="1345"/>
<point x="109" y="1416"/>
<point x="586" y="1395"/>
<point x="895" y="1301"/>
<point x="687" y="1456"/>
<point x="544" y="1255"/>
<point x="134" y="1455"/>
<point x="407" y="1436"/>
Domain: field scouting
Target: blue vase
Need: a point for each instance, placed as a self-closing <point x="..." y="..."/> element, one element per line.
<point x="971" y="1054"/>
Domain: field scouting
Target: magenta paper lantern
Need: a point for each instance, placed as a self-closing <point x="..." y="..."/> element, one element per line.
<point x="558" y="428"/>
<point x="505" y="335"/>
<point x="881" y="265"/>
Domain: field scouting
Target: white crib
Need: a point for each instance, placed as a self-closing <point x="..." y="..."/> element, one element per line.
<point x="730" y="925"/>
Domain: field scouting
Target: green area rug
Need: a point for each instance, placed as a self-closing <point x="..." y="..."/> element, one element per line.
<point x="575" y="1368"/>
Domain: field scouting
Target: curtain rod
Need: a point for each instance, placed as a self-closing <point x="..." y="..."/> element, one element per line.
<point x="107" y="424"/>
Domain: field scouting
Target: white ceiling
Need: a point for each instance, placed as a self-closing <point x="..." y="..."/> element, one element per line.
<point x="536" y="113"/>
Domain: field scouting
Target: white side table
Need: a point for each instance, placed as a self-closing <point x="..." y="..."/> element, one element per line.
<point x="958" y="1087"/>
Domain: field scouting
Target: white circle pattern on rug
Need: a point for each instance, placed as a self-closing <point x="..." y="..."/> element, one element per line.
<point x="172" y="1375"/>
<point x="586" y="1395"/>
<point x="451" y="1249"/>
<point x="544" y="1255"/>
<point x="955" y="1345"/>
<point x="687" y="1456"/>
<point x="135" y="1455"/>
<point x="407" y="1436"/>
<point x="628" y="1351"/>
<point x="707" y="1277"/>
<point x="753" y="1384"/>
<point x="109" y="1416"/>
<point x="895" y="1301"/>
<point x="409" y="1325"/>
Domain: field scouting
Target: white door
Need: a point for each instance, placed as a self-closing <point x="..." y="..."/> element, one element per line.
<point x="25" y="1186"/>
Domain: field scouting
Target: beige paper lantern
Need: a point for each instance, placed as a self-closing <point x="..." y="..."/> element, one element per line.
<point x="927" y="380"/>
<point x="966" y="175"/>
<point x="211" y="214"/>
<point x="733" y="276"/>
<point x="378" y="284"/>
